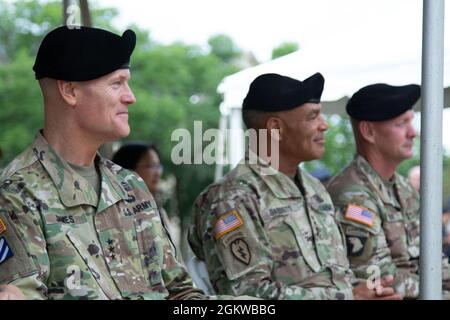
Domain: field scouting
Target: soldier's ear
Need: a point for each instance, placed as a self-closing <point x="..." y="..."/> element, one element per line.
<point x="67" y="91"/>
<point x="274" y="125"/>
<point x="367" y="131"/>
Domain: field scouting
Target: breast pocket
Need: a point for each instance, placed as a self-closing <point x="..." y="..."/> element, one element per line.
<point x="293" y="255"/>
<point x="329" y="236"/>
<point x="412" y="226"/>
<point x="394" y="229"/>
<point x="126" y="242"/>
<point x="150" y="248"/>
<point x="73" y="272"/>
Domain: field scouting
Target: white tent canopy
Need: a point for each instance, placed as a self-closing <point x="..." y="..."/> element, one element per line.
<point x="345" y="69"/>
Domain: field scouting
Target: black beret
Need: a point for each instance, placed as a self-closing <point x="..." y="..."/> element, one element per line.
<point x="272" y="92"/>
<point x="83" y="54"/>
<point x="378" y="102"/>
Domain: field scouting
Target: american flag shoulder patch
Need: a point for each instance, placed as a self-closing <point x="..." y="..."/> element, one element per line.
<point x="359" y="214"/>
<point x="2" y="226"/>
<point x="5" y="250"/>
<point x="226" y="223"/>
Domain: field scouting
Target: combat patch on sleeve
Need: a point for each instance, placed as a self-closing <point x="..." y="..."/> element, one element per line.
<point x="355" y="245"/>
<point x="2" y="226"/>
<point x="15" y="262"/>
<point x="359" y="214"/>
<point x="226" y="223"/>
<point x="240" y="250"/>
<point x="5" y="250"/>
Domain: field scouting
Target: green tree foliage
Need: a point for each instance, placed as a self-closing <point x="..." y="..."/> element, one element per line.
<point x="174" y="84"/>
<point x="339" y="145"/>
<point x="284" y="49"/>
<point x="24" y="23"/>
<point x="446" y="182"/>
<point x="223" y="47"/>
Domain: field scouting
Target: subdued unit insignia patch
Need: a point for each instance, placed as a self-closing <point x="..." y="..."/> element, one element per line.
<point x="5" y="250"/>
<point x="355" y="245"/>
<point x="227" y="223"/>
<point x="240" y="250"/>
<point x="2" y="226"/>
<point x="359" y="214"/>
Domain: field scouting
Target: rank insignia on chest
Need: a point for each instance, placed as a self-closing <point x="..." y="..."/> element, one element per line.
<point x="2" y="226"/>
<point x="227" y="223"/>
<point x="5" y="250"/>
<point x="359" y="214"/>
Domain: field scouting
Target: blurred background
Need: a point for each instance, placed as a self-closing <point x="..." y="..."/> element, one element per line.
<point x="185" y="49"/>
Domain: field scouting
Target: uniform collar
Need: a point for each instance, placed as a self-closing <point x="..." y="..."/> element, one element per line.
<point x="281" y="185"/>
<point x="382" y="188"/>
<point x="73" y="189"/>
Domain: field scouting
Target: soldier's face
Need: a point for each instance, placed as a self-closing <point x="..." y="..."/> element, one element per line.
<point x="103" y="106"/>
<point x="394" y="138"/>
<point x="303" y="133"/>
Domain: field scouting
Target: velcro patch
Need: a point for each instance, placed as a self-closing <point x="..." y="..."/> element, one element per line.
<point x="241" y="251"/>
<point x="229" y="238"/>
<point x="5" y="250"/>
<point x="2" y="226"/>
<point x="359" y="214"/>
<point x="355" y="245"/>
<point x="227" y="223"/>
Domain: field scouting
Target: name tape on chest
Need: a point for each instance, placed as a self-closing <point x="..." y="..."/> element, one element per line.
<point x="359" y="214"/>
<point x="227" y="223"/>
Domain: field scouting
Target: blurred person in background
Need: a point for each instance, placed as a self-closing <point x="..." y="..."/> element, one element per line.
<point x="322" y="174"/>
<point x="414" y="177"/>
<point x="446" y="231"/>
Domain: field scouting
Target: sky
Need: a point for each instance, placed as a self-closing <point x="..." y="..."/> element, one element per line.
<point x="260" y="25"/>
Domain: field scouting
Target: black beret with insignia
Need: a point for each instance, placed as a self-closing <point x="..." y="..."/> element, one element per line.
<point x="379" y="102"/>
<point x="272" y="92"/>
<point x="83" y="53"/>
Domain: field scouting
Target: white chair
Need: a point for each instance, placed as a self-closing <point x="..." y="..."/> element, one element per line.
<point x="199" y="274"/>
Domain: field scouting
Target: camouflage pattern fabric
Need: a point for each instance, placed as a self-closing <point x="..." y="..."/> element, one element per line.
<point x="391" y="241"/>
<point x="259" y="236"/>
<point x="68" y="244"/>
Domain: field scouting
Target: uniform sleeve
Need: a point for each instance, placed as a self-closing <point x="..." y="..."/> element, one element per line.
<point x="365" y="239"/>
<point x="176" y="279"/>
<point x="367" y="246"/>
<point x="230" y="237"/>
<point x="26" y="264"/>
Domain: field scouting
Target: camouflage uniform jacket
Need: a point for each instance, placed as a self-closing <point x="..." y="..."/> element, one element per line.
<point x="259" y="236"/>
<point x="381" y="224"/>
<point x="68" y="244"/>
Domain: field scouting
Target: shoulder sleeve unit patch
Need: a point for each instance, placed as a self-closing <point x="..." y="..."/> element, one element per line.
<point x="359" y="214"/>
<point x="5" y="250"/>
<point x="227" y="223"/>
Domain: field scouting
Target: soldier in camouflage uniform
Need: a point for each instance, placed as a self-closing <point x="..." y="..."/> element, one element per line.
<point x="270" y="232"/>
<point x="66" y="233"/>
<point x="377" y="208"/>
